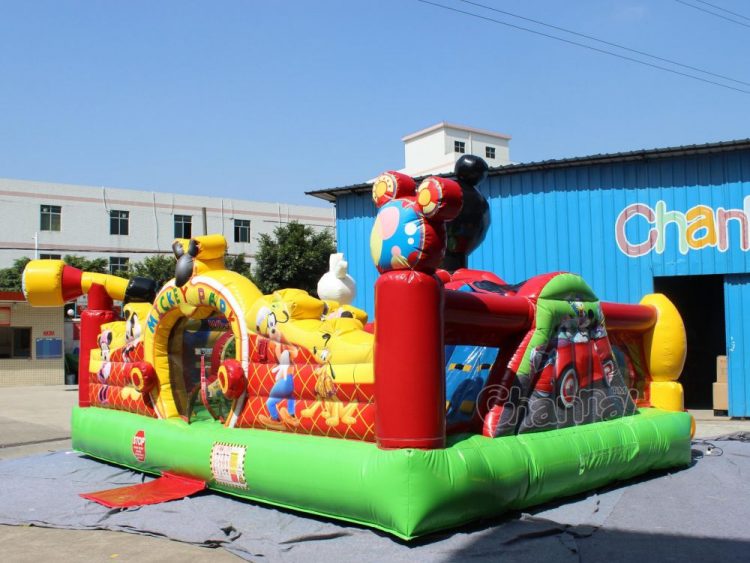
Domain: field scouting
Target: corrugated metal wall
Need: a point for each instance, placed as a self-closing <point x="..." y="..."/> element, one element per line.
<point x="355" y="215"/>
<point x="737" y="310"/>
<point x="564" y="219"/>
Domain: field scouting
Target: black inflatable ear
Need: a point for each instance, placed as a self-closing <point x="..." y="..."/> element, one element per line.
<point x="183" y="270"/>
<point x="470" y="169"/>
<point x="177" y="249"/>
<point x="193" y="248"/>
<point x="467" y="230"/>
<point x="140" y="290"/>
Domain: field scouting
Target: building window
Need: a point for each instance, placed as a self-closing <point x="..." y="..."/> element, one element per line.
<point x="489" y="152"/>
<point x="50" y="217"/>
<point x="118" y="222"/>
<point x="50" y="257"/>
<point x="459" y="146"/>
<point x="183" y="226"/>
<point x="15" y="342"/>
<point x="242" y="230"/>
<point x="118" y="265"/>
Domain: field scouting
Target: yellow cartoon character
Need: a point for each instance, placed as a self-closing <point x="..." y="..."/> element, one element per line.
<point x="332" y="409"/>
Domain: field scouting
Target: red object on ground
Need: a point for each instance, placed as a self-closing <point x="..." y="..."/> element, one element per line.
<point x="409" y="361"/>
<point x="163" y="489"/>
<point x="98" y="312"/>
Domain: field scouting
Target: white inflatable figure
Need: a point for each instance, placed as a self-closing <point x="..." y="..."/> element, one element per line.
<point x="336" y="284"/>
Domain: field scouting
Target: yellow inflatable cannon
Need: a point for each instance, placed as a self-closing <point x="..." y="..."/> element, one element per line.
<point x="52" y="283"/>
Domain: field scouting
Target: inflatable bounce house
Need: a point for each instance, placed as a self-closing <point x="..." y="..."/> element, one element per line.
<point x="466" y="397"/>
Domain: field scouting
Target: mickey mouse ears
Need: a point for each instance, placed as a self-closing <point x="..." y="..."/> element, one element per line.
<point x="439" y="198"/>
<point x="392" y="185"/>
<point x="436" y="198"/>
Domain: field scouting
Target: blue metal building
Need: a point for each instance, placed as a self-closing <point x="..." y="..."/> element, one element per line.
<point x="673" y="220"/>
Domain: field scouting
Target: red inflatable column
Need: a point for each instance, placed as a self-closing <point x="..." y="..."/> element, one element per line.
<point x="98" y="312"/>
<point x="409" y="361"/>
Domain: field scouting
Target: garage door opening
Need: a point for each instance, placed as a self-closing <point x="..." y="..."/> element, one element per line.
<point x="700" y="301"/>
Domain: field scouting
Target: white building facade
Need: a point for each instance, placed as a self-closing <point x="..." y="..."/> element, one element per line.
<point x="436" y="149"/>
<point x="48" y="220"/>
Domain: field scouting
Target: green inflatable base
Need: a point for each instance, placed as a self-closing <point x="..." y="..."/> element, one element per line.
<point x="407" y="493"/>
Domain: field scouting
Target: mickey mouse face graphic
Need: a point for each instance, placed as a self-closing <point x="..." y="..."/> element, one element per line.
<point x="409" y="231"/>
<point x="398" y="237"/>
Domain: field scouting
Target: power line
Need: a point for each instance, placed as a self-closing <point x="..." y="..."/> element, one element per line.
<point x="570" y="42"/>
<point x="723" y="9"/>
<point x="611" y="44"/>
<point x="713" y="13"/>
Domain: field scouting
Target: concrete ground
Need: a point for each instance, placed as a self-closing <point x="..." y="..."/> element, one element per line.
<point x="37" y="419"/>
<point x="27" y="428"/>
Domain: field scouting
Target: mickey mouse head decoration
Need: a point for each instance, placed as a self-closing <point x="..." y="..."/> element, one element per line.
<point x="409" y="231"/>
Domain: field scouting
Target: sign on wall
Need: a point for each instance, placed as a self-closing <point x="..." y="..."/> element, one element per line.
<point x="49" y="348"/>
<point x="641" y="229"/>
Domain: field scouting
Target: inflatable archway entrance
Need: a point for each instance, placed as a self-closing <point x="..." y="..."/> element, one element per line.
<point x="224" y="292"/>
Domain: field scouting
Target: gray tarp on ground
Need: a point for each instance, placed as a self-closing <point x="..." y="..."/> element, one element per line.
<point x="700" y="513"/>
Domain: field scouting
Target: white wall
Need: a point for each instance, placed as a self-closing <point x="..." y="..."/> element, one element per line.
<point x="433" y="151"/>
<point x="85" y="220"/>
<point x="476" y="144"/>
<point x="427" y="154"/>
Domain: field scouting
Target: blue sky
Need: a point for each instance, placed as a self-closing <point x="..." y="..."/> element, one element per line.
<point x="267" y="99"/>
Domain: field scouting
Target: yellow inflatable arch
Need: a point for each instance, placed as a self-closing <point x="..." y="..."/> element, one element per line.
<point x="215" y="291"/>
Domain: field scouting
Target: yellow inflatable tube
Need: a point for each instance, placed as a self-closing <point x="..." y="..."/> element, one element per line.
<point x="52" y="283"/>
<point x="665" y="348"/>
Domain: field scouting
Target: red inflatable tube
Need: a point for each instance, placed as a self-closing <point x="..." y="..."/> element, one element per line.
<point x="98" y="312"/>
<point x="633" y="318"/>
<point x="71" y="283"/>
<point x="484" y="319"/>
<point x="409" y="361"/>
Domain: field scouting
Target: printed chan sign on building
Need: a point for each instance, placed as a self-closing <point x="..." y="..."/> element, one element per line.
<point x="641" y="229"/>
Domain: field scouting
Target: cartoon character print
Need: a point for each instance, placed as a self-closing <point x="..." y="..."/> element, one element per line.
<point x="132" y="336"/>
<point x="267" y="324"/>
<point x="331" y="408"/>
<point x="581" y="321"/>
<point x="337" y="313"/>
<point x="409" y="230"/>
<point x="105" y="341"/>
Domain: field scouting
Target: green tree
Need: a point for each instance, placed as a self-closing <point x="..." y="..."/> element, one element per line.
<point x="295" y="256"/>
<point x="97" y="265"/>
<point x="10" y="278"/>
<point x="238" y="263"/>
<point x="159" y="267"/>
